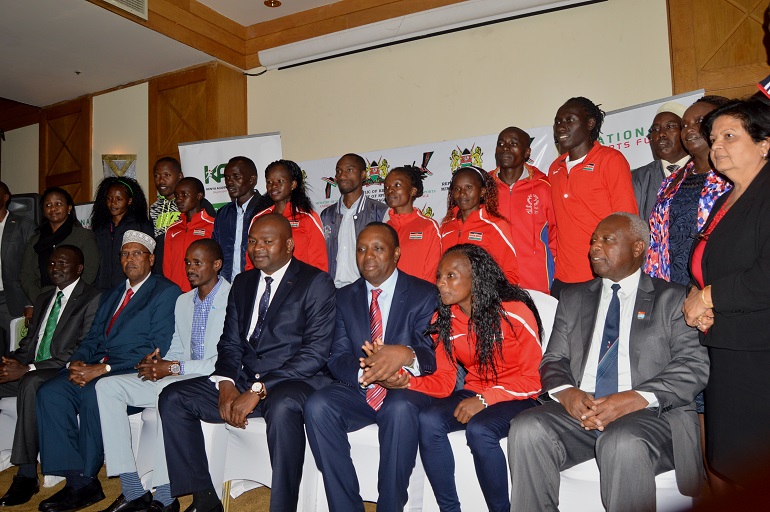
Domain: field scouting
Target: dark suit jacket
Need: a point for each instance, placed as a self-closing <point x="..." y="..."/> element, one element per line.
<point x="296" y="337"/>
<point x="411" y="310"/>
<point x="666" y="359"/>
<point x="73" y="325"/>
<point x="647" y="180"/>
<point x="736" y="262"/>
<point x="146" y="323"/>
<point x="17" y="232"/>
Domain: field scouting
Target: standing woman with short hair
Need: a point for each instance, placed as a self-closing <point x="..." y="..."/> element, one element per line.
<point x="418" y="235"/>
<point x="730" y="300"/>
<point x="472" y="217"/>
<point x="285" y="188"/>
<point x="119" y="205"/>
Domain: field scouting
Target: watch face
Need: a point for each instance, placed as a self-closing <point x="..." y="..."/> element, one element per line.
<point x="175" y="368"/>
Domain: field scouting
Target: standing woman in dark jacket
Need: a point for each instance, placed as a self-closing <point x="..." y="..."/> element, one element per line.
<point x="59" y="226"/>
<point x="120" y="205"/>
<point x="730" y="300"/>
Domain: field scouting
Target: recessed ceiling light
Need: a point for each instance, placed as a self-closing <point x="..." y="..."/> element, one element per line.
<point x="273" y="3"/>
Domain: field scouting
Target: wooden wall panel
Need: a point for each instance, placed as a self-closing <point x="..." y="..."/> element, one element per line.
<point x="719" y="45"/>
<point x="207" y="102"/>
<point x="65" y="148"/>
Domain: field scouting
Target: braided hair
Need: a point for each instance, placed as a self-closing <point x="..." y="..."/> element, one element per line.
<point x="592" y="111"/>
<point x="415" y="176"/>
<point x="300" y="202"/>
<point x="484" y="180"/>
<point x="489" y="289"/>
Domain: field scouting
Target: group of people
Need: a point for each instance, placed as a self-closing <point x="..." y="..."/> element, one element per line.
<point x="373" y="313"/>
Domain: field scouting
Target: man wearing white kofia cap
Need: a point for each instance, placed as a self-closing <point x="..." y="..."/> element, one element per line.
<point x="668" y="153"/>
<point x="133" y="319"/>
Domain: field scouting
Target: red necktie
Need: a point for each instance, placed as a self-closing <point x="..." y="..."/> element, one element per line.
<point x="376" y="393"/>
<point x="129" y="294"/>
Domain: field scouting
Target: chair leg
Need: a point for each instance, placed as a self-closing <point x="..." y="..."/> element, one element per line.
<point x="226" y="495"/>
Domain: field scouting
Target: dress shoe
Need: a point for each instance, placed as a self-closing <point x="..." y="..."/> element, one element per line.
<point x="21" y="491"/>
<point x="69" y="499"/>
<point x="217" y="508"/>
<point x="157" y="506"/>
<point x="121" y="504"/>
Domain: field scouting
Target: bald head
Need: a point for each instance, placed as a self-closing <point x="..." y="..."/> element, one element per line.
<point x="270" y="242"/>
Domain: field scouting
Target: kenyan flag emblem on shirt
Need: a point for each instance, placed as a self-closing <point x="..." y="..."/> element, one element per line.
<point x="475" y="236"/>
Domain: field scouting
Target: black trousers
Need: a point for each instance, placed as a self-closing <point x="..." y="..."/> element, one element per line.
<point x="185" y="404"/>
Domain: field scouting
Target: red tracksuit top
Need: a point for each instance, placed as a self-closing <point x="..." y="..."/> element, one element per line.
<point x="490" y="233"/>
<point x="420" y="240"/>
<point x="518" y="377"/>
<point x="179" y="236"/>
<point x="527" y="205"/>
<point x="595" y="188"/>
<point x="308" y="234"/>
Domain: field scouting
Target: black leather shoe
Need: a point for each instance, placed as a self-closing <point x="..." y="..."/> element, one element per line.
<point x="217" y="508"/>
<point x="75" y="500"/>
<point x="21" y="491"/>
<point x="63" y="493"/>
<point x="121" y="504"/>
<point x="157" y="506"/>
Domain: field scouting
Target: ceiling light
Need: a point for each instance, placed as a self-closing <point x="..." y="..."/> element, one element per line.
<point x="273" y="3"/>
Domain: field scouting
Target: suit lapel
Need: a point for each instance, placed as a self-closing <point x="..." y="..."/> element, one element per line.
<point x="249" y="300"/>
<point x="360" y="314"/>
<point x="10" y="226"/>
<point x="588" y="311"/>
<point x="285" y="286"/>
<point x="396" y="305"/>
<point x="136" y="300"/>
<point x="643" y="307"/>
<point x="67" y="312"/>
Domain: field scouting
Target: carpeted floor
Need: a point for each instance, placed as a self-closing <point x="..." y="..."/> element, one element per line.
<point x="257" y="500"/>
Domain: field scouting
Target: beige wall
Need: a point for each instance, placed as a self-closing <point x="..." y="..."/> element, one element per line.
<point x="20" y="159"/>
<point x="120" y="126"/>
<point x="467" y="83"/>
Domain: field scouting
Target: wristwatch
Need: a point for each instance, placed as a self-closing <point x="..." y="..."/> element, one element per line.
<point x="259" y="389"/>
<point x="107" y="368"/>
<point x="175" y="368"/>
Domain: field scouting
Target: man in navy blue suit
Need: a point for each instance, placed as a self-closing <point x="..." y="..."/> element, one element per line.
<point x="390" y="310"/>
<point x="271" y="357"/>
<point x="133" y="320"/>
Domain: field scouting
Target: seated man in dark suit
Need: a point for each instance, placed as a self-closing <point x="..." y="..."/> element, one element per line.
<point x="271" y="356"/>
<point x="624" y="369"/>
<point x="133" y="320"/>
<point x="391" y="310"/>
<point x="61" y="320"/>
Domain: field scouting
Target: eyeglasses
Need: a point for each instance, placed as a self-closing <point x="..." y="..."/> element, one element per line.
<point x="124" y="255"/>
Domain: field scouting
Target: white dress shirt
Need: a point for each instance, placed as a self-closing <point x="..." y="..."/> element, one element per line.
<point x="347" y="268"/>
<point x="67" y="292"/>
<point x="627" y="296"/>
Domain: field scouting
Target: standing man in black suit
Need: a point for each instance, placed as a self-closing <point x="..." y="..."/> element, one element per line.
<point x="385" y="311"/>
<point x="624" y="369"/>
<point x="61" y="320"/>
<point x="231" y="227"/>
<point x="133" y="319"/>
<point x="271" y="358"/>
<point x="15" y="232"/>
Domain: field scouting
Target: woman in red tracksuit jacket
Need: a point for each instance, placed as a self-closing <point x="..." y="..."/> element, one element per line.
<point x="473" y="218"/>
<point x="418" y="236"/>
<point x="285" y="186"/>
<point x="492" y="328"/>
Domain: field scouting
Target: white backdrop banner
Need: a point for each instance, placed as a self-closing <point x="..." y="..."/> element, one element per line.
<point x="206" y="160"/>
<point x="624" y="130"/>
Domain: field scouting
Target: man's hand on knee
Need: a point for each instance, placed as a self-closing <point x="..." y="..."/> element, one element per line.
<point x="577" y="403"/>
<point x="227" y="395"/>
<point x="607" y="409"/>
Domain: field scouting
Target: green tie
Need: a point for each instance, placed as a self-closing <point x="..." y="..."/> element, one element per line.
<point x="44" y="350"/>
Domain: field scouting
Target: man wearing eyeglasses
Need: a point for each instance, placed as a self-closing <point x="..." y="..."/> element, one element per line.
<point x="668" y="153"/>
<point x="133" y="320"/>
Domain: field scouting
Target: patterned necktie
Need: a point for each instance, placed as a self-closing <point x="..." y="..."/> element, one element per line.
<point x="264" y="302"/>
<point x="376" y="393"/>
<point x="671" y="168"/>
<point x="44" y="350"/>
<point x="129" y="294"/>
<point x="607" y="372"/>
